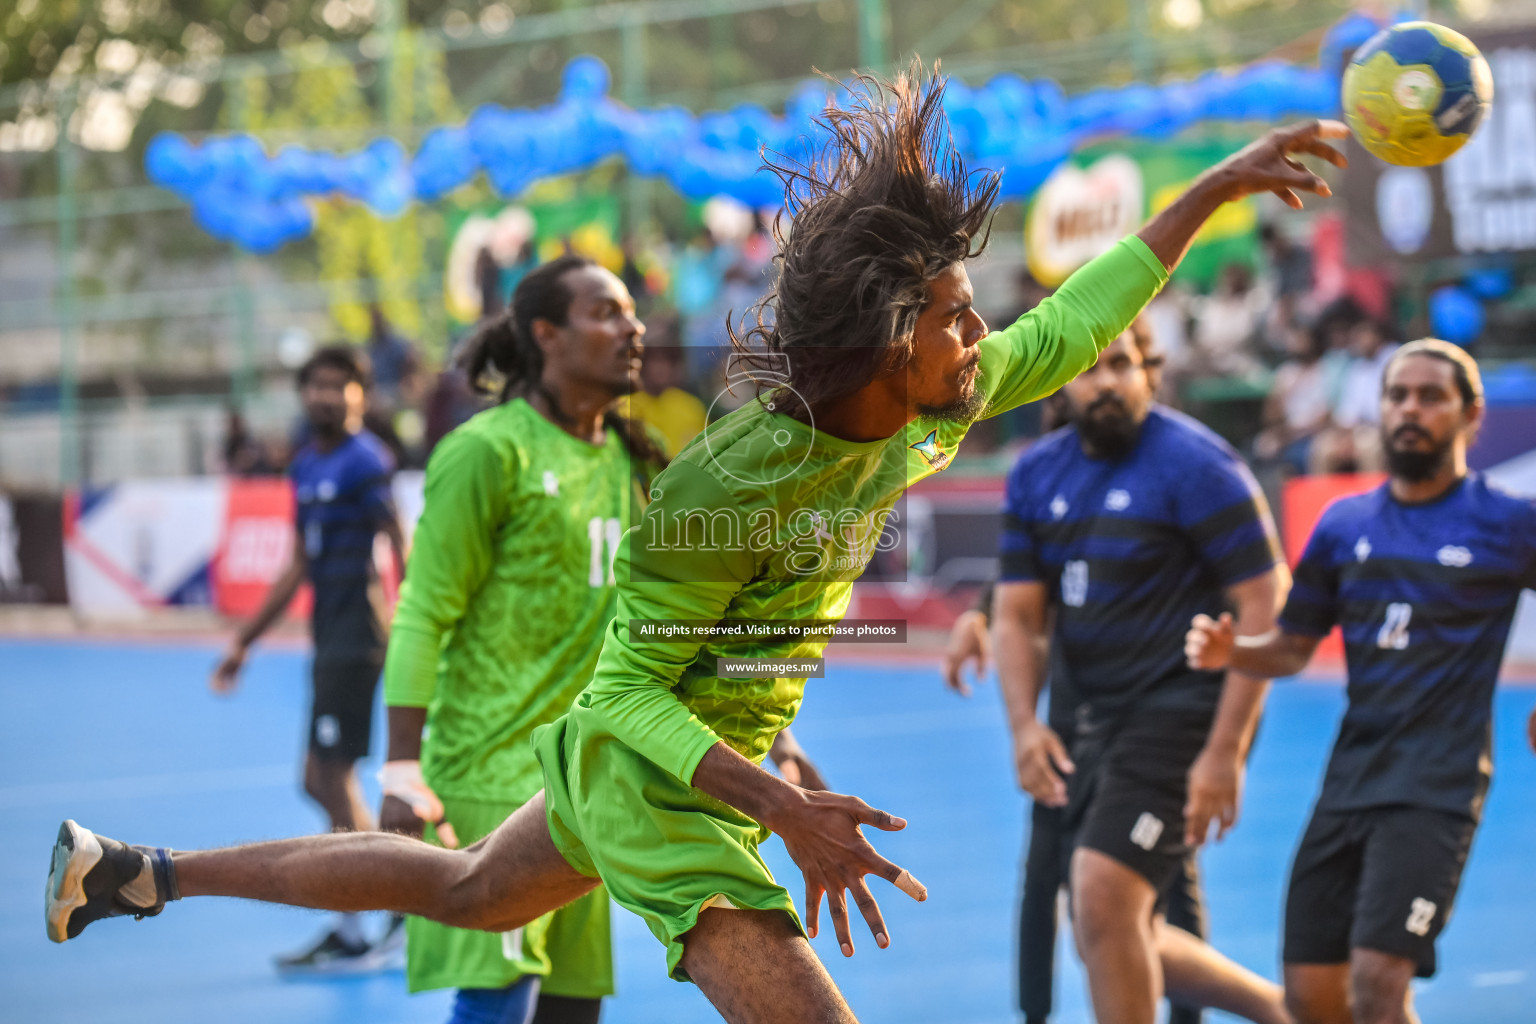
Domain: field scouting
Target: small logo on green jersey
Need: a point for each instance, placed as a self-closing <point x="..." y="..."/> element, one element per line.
<point x="929" y="449"/>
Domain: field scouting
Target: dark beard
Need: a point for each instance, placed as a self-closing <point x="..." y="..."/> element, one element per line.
<point x="961" y="410"/>
<point x="1413" y="465"/>
<point x="1111" y="434"/>
<point x="965" y="409"/>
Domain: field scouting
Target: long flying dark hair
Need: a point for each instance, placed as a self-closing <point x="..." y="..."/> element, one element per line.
<point x="501" y="358"/>
<point x="884" y="208"/>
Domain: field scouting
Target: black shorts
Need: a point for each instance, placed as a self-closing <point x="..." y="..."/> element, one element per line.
<point x="1126" y="798"/>
<point x="341" y="716"/>
<point x="1383" y="878"/>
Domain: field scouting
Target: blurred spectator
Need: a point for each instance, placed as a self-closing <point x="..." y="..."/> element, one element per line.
<point x="1298" y="407"/>
<point x="396" y="389"/>
<point x="632" y="276"/>
<point x="514" y="271"/>
<point x="697" y="279"/>
<point x="1168" y="316"/>
<point x="1026" y="421"/>
<point x="378" y="422"/>
<point x="1354" y="443"/>
<point x="740" y="291"/>
<point x="661" y="403"/>
<point x="758" y="249"/>
<point x="449" y="403"/>
<point x="1290" y="274"/>
<point x="244" y="454"/>
<point x="1226" y="322"/>
<point x="1360" y="397"/>
<point x="1336" y="320"/>
<point x="1290" y="263"/>
<point x="488" y="281"/>
<point x="392" y="357"/>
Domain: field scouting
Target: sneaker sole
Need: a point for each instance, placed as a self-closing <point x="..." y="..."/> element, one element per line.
<point x="75" y="853"/>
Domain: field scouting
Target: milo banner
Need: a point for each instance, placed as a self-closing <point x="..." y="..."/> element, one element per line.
<point x="1106" y="192"/>
<point x="1482" y="200"/>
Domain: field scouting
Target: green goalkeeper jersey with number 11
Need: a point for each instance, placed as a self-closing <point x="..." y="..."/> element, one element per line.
<point x="507" y="594"/>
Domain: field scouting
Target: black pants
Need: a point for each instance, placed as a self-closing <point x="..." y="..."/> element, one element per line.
<point x="1045" y="872"/>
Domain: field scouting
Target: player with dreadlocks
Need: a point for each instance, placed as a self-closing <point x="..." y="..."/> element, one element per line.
<point x="503" y="613"/>
<point x="876" y="365"/>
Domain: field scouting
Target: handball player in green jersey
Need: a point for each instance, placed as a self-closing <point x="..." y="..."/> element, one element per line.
<point x="876" y="365"/>
<point x="502" y="614"/>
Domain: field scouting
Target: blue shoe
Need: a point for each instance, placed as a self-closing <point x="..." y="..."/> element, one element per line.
<point x="92" y="877"/>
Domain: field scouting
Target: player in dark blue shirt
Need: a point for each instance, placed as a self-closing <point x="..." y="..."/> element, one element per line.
<point x="341" y="486"/>
<point x="1045" y="859"/>
<point x="1423" y="575"/>
<point x="1117" y="530"/>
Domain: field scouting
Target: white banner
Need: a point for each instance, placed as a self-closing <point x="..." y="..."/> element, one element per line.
<point x="142" y="544"/>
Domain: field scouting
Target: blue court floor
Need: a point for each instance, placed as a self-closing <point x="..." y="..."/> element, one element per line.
<point x="127" y="739"/>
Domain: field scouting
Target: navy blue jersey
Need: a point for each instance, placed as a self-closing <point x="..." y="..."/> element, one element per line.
<point x="1425" y="595"/>
<point x="1132" y="549"/>
<point x="343" y="501"/>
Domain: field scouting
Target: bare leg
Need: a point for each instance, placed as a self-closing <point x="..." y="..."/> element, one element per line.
<point x="333" y="785"/>
<point x="1186" y="910"/>
<point x="502" y="882"/>
<point x="1380" y="984"/>
<point x="1112" y="920"/>
<point x="1318" y="993"/>
<point x="758" y="969"/>
<point x="1197" y="975"/>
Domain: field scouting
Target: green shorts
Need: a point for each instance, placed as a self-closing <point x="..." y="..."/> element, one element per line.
<point x="663" y="849"/>
<point x="570" y="947"/>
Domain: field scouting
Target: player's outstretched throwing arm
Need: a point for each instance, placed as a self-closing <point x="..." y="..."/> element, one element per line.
<point x="1062" y="337"/>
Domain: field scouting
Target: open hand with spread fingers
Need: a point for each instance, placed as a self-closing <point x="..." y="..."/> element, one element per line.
<point x="822" y="833"/>
<point x="1269" y="164"/>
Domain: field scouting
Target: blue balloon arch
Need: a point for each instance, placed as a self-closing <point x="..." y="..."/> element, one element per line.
<point x="240" y="193"/>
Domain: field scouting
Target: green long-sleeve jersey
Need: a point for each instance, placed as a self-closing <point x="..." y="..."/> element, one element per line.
<point x="762" y="519"/>
<point x="507" y="593"/>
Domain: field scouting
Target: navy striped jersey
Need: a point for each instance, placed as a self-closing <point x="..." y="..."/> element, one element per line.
<point x="343" y="501"/>
<point x="1133" y="548"/>
<point x="1425" y="595"/>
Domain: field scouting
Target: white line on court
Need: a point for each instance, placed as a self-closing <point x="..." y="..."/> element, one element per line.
<point x="1488" y="979"/>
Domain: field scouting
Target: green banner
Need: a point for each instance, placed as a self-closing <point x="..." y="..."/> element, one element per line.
<point x="1108" y="190"/>
<point x="552" y="216"/>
